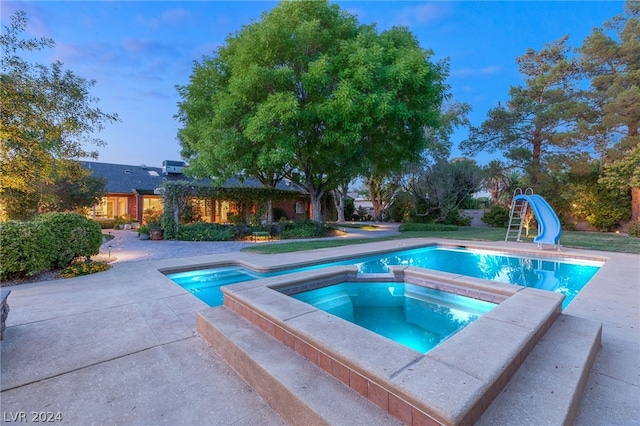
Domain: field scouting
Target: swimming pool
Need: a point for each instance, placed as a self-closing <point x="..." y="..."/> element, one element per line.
<point x="563" y="276"/>
<point x="417" y="317"/>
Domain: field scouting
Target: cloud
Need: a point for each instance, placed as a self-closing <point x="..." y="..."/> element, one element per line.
<point x="131" y="63"/>
<point x="138" y="46"/>
<point x="423" y="14"/>
<point x="169" y="17"/>
<point x="469" y="72"/>
<point x="174" y="16"/>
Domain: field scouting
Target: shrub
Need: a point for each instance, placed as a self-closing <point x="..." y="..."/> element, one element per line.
<point x="83" y="268"/>
<point x="25" y="248"/>
<point x="634" y="229"/>
<point x="189" y="214"/>
<point x="455" y="217"/>
<point x="412" y="227"/>
<point x="602" y="207"/>
<point x="168" y="224"/>
<point x="399" y="210"/>
<point x="306" y="229"/>
<point x="123" y="220"/>
<point x="106" y="223"/>
<point x="279" y="214"/>
<point x="73" y="236"/>
<point x="608" y="216"/>
<point x="497" y="216"/>
<point x="349" y="208"/>
<point x="153" y="218"/>
<point x="235" y="219"/>
<point x="202" y="231"/>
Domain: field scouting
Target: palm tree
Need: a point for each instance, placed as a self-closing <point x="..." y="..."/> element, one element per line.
<point x="497" y="181"/>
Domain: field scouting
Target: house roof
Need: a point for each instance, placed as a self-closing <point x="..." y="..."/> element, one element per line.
<point x="126" y="179"/>
<point x="251" y="182"/>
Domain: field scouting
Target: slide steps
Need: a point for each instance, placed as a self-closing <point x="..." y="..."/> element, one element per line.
<point x="545" y="390"/>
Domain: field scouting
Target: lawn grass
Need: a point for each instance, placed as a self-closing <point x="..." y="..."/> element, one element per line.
<point x="309" y="245"/>
<point x="585" y="240"/>
<point x="601" y="241"/>
<point x="363" y="226"/>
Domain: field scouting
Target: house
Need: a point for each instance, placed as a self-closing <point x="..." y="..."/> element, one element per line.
<point x="362" y="204"/>
<point x="130" y="189"/>
<point x="134" y="190"/>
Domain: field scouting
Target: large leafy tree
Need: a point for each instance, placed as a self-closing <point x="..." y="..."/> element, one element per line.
<point x="439" y="189"/>
<point x="398" y="94"/>
<point x="308" y="90"/>
<point x="384" y="177"/>
<point x="610" y="58"/>
<point x="73" y="189"/>
<point x="542" y="120"/>
<point x="47" y="118"/>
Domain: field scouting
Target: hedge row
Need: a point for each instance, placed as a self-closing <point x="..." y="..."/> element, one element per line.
<point x="52" y="240"/>
<point x="497" y="216"/>
<point x="412" y="227"/>
<point x="305" y="229"/>
<point x="201" y="231"/>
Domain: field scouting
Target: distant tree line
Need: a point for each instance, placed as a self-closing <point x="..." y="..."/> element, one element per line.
<point x="309" y="94"/>
<point x="577" y="145"/>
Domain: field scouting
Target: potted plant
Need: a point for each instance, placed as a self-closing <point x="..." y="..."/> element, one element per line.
<point x="155" y="229"/>
<point x="143" y="232"/>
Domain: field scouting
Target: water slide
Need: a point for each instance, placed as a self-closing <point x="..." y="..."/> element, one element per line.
<point x="548" y="222"/>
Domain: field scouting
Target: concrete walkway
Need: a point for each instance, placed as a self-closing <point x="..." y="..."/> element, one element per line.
<point x="127" y="247"/>
<point x="120" y="347"/>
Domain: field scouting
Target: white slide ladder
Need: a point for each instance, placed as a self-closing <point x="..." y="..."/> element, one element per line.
<point x="517" y="214"/>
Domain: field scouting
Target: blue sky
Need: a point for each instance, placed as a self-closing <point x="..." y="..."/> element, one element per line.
<point x="139" y="51"/>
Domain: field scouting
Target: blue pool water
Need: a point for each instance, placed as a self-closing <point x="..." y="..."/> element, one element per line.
<point x="563" y="276"/>
<point x="414" y="316"/>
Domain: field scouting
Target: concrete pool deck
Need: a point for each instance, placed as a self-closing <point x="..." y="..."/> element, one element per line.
<point x="120" y="347"/>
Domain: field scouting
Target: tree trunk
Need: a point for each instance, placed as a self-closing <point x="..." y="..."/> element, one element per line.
<point x="535" y="160"/>
<point x="635" y="203"/>
<point x="375" y="194"/>
<point x="338" y="201"/>
<point x="316" y="209"/>
<point x="269" y="218"/>
<point x="635" y="191"/>
<point x="375" y="197"/>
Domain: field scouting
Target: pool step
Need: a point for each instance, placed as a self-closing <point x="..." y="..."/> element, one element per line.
<point x="298" y="390"/>
<point x="548" y="386"/>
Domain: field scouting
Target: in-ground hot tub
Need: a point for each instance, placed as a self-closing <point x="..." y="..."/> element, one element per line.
<point x="451" y="384"/>
<point x="414" y="316"/>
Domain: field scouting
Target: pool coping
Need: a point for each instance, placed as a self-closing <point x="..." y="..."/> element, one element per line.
<point x="61" y="307"/>
<point x="362" y="250"/>
<point x="448" y="385"/>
